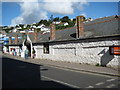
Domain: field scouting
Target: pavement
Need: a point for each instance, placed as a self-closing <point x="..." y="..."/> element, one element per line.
<point x="73" y="66"/>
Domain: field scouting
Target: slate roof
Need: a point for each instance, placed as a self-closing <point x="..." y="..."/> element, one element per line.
<point x="107" y="26"/>
<point x="13" y="35"/>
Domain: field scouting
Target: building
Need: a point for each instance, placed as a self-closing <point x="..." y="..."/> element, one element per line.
<point x="87" y="42"/>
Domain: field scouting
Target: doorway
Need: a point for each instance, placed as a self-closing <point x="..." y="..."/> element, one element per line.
<point x="28" y="45"/>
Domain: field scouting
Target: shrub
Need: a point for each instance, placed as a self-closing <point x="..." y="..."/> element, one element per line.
<point x="97" y="64"/>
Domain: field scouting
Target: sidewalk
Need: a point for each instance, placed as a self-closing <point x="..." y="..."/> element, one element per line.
<point x="72" y="66"/>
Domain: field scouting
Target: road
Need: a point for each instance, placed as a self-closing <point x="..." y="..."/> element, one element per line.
<point x="19" y="74"/>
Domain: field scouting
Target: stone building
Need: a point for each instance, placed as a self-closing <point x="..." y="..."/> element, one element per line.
<point x="87" y="42"/>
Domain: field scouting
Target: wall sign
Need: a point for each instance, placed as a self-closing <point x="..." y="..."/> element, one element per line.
<point x="114" y="50"/>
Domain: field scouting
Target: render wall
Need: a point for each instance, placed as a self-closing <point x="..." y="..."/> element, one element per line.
<point x="88" y="52"/>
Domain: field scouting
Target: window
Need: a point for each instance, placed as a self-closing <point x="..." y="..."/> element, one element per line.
<point x="46" y="48"/>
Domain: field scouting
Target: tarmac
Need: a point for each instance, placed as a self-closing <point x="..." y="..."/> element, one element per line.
<point x="72" y="66"/>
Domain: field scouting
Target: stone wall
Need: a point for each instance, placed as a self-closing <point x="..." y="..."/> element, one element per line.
<point x="85" y="51"/>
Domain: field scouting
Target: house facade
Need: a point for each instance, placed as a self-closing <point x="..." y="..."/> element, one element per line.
<point x="90" y="44"/>
<point x="86" y="51"/>
<point x="87" y="42"/>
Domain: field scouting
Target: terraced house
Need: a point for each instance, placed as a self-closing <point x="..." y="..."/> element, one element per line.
<point x="90" y="42"/>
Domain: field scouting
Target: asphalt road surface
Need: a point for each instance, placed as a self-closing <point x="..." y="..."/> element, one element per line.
<point x="19" y="74"/>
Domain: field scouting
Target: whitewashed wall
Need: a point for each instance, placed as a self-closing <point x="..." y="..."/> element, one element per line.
<point x="5" y="49"/>
<point x="81" y="52"/>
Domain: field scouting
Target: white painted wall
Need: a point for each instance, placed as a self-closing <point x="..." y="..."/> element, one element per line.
<point x="5" y="49"/>
<point x="81" y="52"/>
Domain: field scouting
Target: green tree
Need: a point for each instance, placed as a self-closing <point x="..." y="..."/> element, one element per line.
<point x="74" y="20"/>
<point x="71" y="23"/>
<point x="7" y="30"/>
<point x="51" y="18"/>
<point x="28" y="26"/>
<point x="21" y="25"/>
<point x="37" y="30"/>
<point x="37" y="24"/>
<point x="65" y="19"/>
<point x="45" y="22"/>
<point x="56" y="19"/>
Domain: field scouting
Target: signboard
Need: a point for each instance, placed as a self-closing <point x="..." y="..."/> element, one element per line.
<point x="115" y="50"/>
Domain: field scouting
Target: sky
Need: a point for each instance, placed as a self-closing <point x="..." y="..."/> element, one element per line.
<point x="32" y="11"/>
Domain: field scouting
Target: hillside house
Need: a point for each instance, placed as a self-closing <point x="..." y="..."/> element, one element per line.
<point x="65" y="24"/>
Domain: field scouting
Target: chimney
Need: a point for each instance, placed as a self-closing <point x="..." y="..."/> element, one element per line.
<point x="35" y="36"/>
<point x="10" y="40"/>
<point x="16" y="39"/>
<point x="52" y="31"/>
<point x="80" y="26"/>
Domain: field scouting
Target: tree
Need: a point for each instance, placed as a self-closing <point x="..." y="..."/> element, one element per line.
<point x="65" y="19"/>
<point x="51" y="18"/>
<point x="56" y="19"/>
<point x="74" y="20"/>
<point x="21" y="25"/>
<point x="37" y="30"/>
<point x="45" y="22"/>
<point x="17" y="26"/>
<point x="37" y="24"/>
<point x="28" y="26"/>
<point x="6" y="30"/>
<point x="84" y="18"/>
<point x="71" y="23"/>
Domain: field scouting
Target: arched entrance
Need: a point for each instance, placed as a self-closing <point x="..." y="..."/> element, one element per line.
<point x="28" y="45"/>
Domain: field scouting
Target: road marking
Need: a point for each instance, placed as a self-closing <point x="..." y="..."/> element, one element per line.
<point x="100" y="83"/>
<point x="110" y="86"/>
<point x="90" y="87"/>
<point x="109" y="80"/>
<point x="61" y="82"/>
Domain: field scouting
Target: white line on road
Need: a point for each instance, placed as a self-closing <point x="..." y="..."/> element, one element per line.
<point x="110" y="86"/>
<point x="100" y="83"/>
<point x="109" y="80"/>
<point x="90" y="87"/>
<point x="61" y="82"/>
